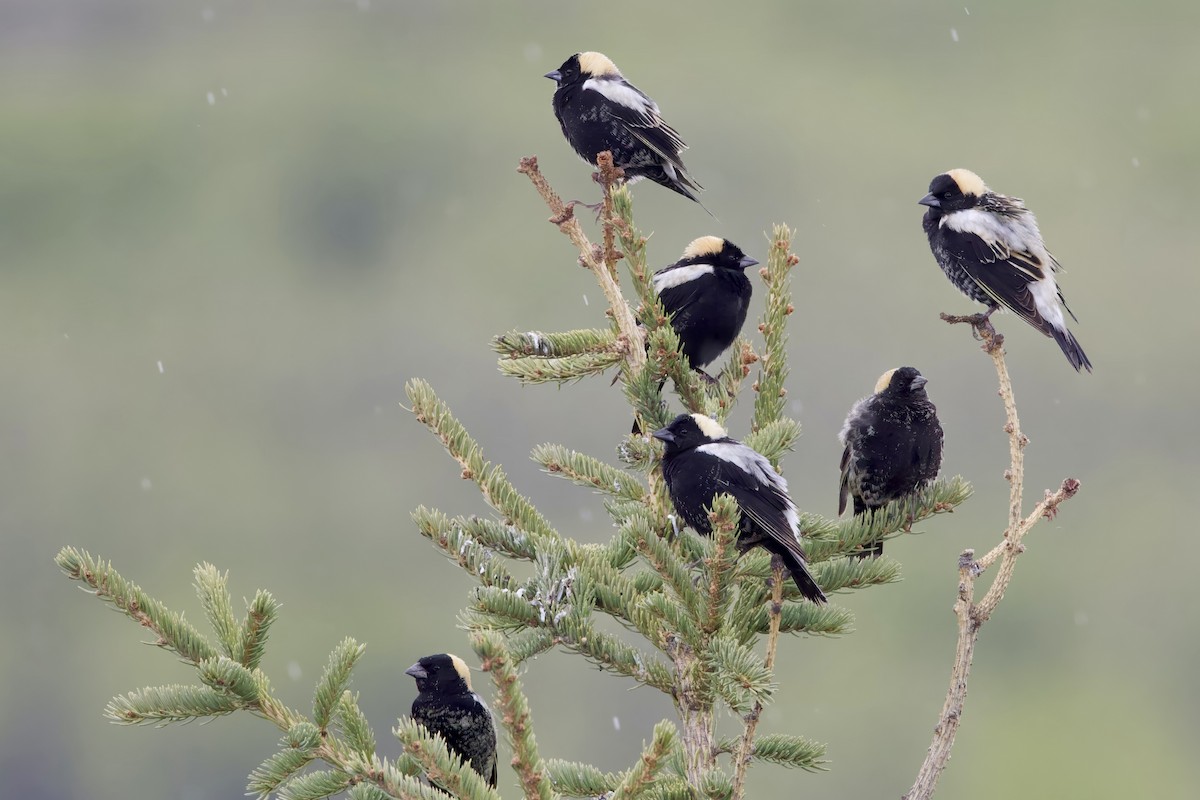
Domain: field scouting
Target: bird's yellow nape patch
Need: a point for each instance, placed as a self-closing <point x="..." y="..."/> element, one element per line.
<point x="968" y="182"/>
<point x="462" y="669"/>
<point x="709" y="427"/>
<point x="704" y="246"/>
<point x="597" y="64"/>
<point x="885" y="380"/>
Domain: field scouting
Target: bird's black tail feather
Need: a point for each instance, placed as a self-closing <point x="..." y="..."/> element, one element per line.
<point x="1071" y="349"/>
<point x="798" y="569"/>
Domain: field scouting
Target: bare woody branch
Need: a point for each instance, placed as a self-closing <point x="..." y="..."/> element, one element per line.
<point x="601" y="261"/>
<point x="972" y="614"/>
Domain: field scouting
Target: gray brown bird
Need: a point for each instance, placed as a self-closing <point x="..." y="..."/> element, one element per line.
<point x="893" y="445"/>
<point x="446" y="706"/>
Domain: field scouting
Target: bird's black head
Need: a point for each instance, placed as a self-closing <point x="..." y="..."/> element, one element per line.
<point x="688" y="431"/>
<point x="718" y="252"/>
<point x="901" y="383"/>
<point x="581" y="66"/>
<point x="441" y="674"/>
<point x="954" y="191"/>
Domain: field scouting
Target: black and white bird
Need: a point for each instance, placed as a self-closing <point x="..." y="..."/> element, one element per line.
<point x="706" y="294"/>
<point x="893" y="442"/>
<point x="446" y="706"/>
<point x="989" y="246"/>
<point x="599" y="110"/>
<point x="700" y="461"/>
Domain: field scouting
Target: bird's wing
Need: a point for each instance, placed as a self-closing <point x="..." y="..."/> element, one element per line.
<point x="680" y="300"/>
<point x="639" y="115"/>
<point x="844" y="487"/>
<point x="1006" y="273"/>
<point x="760" y="492"/>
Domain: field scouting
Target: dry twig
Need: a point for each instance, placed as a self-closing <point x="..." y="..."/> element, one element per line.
<point x="601" y="261"/>
<point x="972" y="614"/>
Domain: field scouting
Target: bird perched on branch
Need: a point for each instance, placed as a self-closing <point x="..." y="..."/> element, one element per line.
<point x="446" y="706"/>
<point x="700" y="461"/>
<point x="989" y="246"/>
<point x="893" y="442"/>
<point x="706" y="294"/>
<point x="599" y="110"/>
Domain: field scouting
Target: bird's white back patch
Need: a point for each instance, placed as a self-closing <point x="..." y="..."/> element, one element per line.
<point x="713" y="430"/>
<point x="597" y="64"/>
<point x="968" y="182"/>
<point x="747" y="460"/>
<point x="677" y="276"/>
<point x="704" y="246"/>
<point x="1019" y="232"/>
<point x="621" y="93"/>
<point x="462" y="669"/>
<point x="757" y="467"/>
<point x="885" y="380"/>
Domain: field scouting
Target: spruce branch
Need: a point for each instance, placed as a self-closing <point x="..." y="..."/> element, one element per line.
<point x="497" y="490"/>
<point x="171" y="631"/>
<point x="773" y="369"/>
<point x="161" y="705"/>
<point x="353" y="727"/>
<point x="535" y="370"/>
<point x="443" y="768"/>
<point x="516" y="344"/>
<point x="831" y="538"/>
<point x="653" y="759"/>
<point x="334" y="679"/>
<point x="218" y="607"/>
<point x="972" y="614"/>
<point x="338" y="734"/>
<point x="514" y="713"/>
<point x="572" y="779"/>
<point x="260" y="615"/>
<point x="587" y="471"/>
<point x="745" y="750"/>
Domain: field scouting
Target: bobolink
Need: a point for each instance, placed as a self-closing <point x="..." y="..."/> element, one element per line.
<point x="446" y="706"/>
<point x="893" y="443"/>
<point x="700" y="461"/>
<point x="599" y="110"/>
<point x="706" y="294"/>
<point x="989" y="246"/>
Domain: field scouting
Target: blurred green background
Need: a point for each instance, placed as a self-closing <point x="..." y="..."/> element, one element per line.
<point x="231" y="232"/>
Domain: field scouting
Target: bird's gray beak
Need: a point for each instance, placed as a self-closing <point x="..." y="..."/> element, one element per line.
<point x="555" y="76"/>
<point x="417" y="671"/>
<point x="931" y="201"/>
<point x="918" y="382"/>
<point x="747" y="262"/>
<point x="662" y="434"/>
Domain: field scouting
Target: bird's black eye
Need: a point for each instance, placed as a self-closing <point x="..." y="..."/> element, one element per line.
<point x="947" y="195"/>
